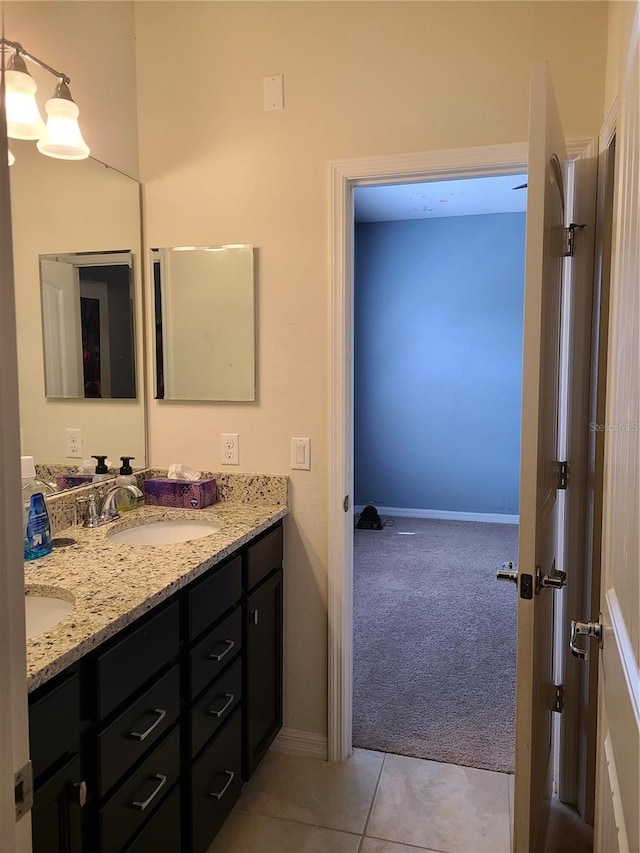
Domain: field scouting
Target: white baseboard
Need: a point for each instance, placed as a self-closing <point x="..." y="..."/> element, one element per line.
<point x="295" y="742"/>
<point x="444" y="514"/>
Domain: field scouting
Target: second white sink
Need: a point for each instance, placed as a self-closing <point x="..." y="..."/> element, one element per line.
<point x="169" y="531"/>
<point x="43" y="612"/>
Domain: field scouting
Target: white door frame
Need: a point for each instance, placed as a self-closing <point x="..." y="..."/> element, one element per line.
<point x="345" y="175"/>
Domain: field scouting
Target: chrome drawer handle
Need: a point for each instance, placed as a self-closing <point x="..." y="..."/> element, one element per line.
<point x="230" y="645"/>
<point x="143" y="735"/>
<point x="230" y="699"/>
<point x="162" y="781"/>
<point x="220" y="794"/>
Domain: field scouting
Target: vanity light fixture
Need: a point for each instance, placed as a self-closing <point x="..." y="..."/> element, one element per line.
<point x="61" y="136"/>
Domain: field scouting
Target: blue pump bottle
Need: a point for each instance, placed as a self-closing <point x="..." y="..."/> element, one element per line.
<point x="37" y="536"/>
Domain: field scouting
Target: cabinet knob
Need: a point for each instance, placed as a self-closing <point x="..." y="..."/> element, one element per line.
<point x="253" y="616"/>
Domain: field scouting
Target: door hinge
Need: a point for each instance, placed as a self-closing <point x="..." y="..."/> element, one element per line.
<point x="569" y="238"/>
<point x="23" y="790"/>
<point x="563" y="475"/>
<point x="345" y="503"/>
<point x="559" y="698"/>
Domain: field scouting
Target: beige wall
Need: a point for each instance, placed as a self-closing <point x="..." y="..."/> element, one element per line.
<point x="93" y="44"/>
<point x="360" y="79"/>
<point x="619" y="24"/>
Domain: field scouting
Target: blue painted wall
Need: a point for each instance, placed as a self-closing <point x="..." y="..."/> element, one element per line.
<point x="438" y="362"/>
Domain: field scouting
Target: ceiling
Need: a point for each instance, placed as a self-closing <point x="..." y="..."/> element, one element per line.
<point x="433" y="199"/>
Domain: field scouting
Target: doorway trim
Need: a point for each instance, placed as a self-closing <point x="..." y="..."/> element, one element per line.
<point x="344" y="176"/>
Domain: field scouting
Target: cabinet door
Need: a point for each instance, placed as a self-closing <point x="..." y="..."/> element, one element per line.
<point x="263" y="670"/>
<point x="56" y="815"/>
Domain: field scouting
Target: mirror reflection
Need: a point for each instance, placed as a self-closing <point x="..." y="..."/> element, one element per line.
<point x="66" y="208"/>
<point x="87" y="323"/>
<point x="204" y="320"/>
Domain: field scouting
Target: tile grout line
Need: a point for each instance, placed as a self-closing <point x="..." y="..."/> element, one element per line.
<point x="373" y="801"/>
<point x="297" y="821"/>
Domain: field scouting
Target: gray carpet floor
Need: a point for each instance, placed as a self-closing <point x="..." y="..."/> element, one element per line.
<point x="434" y="642"/>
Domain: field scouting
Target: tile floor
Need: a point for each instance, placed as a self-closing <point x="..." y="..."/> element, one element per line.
<point x="374" y="803"/>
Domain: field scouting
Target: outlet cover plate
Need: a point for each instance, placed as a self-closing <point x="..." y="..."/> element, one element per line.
<point x="229" y="454"/>
<point x="73" y="440"/>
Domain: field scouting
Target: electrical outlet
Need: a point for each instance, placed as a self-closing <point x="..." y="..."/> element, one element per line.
<point x="74" y="443"/>
<point x="229" y="448"/>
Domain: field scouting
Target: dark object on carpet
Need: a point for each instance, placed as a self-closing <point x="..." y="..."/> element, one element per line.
<point x="435" y="641"/>
<point x="369" y="519"/>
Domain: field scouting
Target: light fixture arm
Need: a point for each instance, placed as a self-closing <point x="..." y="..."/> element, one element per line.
<point x="20" y="51"/>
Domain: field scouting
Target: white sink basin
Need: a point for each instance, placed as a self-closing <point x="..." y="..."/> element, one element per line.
<point x="43" y="612"/>
<point x="166" y="532"/>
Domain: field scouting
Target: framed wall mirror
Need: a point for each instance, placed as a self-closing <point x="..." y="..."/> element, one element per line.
<point x="204" y="311"/>
<point x="87" y="325"/>
<point x="66" y="210"/>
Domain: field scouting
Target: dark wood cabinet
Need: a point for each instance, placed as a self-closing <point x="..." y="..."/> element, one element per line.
<point x="263" y="669"/>
<point x="56" y="822"/>
<point x="167" y="720"/>
<point x="55" y="742"/>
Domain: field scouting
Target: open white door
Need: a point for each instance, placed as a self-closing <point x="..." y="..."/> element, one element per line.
<point x="15" y="772"/>
<point x="538" y="533"/>
<point x="62" y="329"/>
<point x="618" y="772"/>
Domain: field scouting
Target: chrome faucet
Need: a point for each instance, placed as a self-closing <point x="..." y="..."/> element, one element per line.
<point x="107" y="510"/>
<point x="95" y="516"/>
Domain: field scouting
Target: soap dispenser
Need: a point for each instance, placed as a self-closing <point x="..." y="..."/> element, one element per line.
<point x="102" y="472"/>
<point x="124" y="499"/>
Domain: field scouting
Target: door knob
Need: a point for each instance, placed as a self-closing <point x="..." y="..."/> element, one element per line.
<point x="588" y="629"/>
<point x="556" y="580"/>
<point x="507" y="573"/>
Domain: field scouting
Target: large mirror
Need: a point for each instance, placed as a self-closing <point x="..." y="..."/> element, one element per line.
<point x="204" y="315"/>
<point x="64" y="209"/>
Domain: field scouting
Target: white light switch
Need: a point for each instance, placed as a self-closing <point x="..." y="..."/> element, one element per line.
<point x="301" y="454"/>
<point x="273" y="92"/>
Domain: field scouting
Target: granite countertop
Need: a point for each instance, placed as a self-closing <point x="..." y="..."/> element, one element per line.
<point x="111" y="585"/>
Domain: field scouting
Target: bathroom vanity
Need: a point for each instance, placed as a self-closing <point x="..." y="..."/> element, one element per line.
<point x="153" y="702"/>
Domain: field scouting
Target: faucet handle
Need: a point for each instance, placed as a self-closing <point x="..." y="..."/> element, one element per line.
<point x="89" y="510"/>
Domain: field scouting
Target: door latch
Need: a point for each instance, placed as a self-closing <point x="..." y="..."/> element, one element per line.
<point x="588" y="629"/>
<point x="23" y="787"/>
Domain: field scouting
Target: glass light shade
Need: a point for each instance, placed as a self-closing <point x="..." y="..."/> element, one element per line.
<point x="63" y="139"/>
<point x="23" y="116"/>
<point x="11" y="158"/>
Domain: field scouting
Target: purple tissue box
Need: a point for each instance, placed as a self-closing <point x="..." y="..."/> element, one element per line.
<point x="186" y="494"/>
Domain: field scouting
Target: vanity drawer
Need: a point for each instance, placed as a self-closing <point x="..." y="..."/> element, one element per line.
<point x="138" y="728"/>
<point x="163" y="832"/>
<point x="216" y="781"/>
<point x="264" y="557"/>
<point x="217" y="704"/>
<point x="54" y="724"/>
<point x="209" y="599"/>
<point x="140" y="795"/>
<point x="215" y="651"/>
<point x="132" y="661"/>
